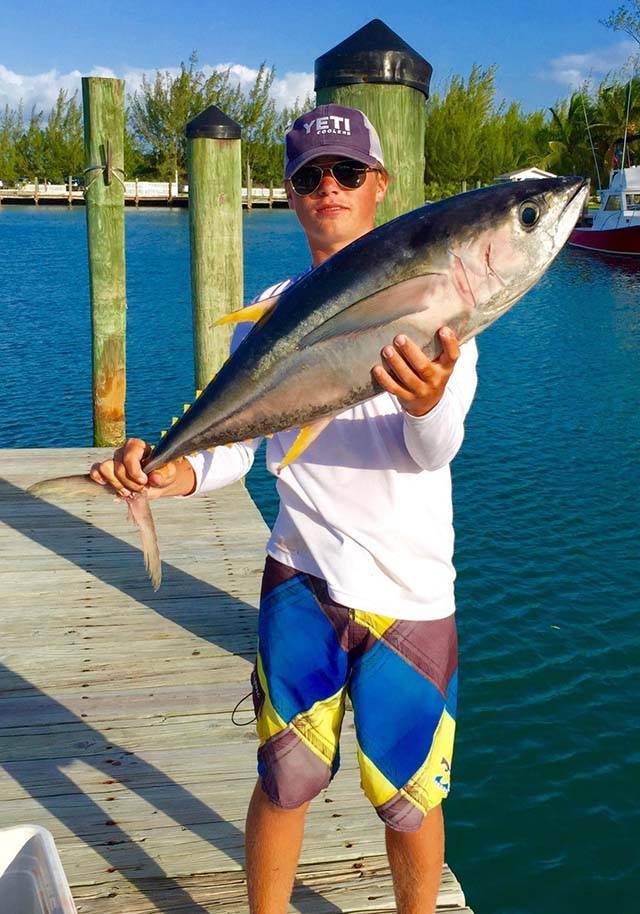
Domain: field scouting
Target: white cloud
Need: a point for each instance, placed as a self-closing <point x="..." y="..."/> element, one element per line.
<point x="41" y="90"/>
<point x="572" y="70"/>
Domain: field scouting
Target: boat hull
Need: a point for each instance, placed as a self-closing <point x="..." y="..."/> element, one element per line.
<point x="610" y="241"/>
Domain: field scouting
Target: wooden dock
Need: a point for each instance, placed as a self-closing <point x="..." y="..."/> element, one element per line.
<point x="115" y="706"/>
<point x="144" y="193"/>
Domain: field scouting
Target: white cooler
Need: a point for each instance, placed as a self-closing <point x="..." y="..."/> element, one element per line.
<point x="32" y="880"/>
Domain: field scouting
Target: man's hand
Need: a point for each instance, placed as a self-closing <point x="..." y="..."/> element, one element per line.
<point x="414" y="379"/>
<point x="124" y="473"/>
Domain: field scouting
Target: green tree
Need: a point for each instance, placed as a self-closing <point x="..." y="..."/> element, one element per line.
<point x="63" y="139"/>
<point x="455" y="123"/>
<point x="162" y="107"/>
<point x="30" y="149"/>
<point x="11" y="127"/>
<point x="626" y="18"/>
<point x="613" y="102"/>
<point x="569" y="147"/>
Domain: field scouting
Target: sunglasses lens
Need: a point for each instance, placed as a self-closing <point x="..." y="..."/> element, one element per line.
<point x="350" y="174"/>
<point x="306" y="179"/>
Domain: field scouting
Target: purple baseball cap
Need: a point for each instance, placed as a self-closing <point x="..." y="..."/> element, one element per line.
<point x="331" y="130"/>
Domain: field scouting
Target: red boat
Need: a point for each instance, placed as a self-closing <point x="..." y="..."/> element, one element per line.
<point x="614" y="228"/>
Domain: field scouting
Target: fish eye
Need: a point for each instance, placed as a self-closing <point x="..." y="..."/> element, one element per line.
<point x="529" y="213"/>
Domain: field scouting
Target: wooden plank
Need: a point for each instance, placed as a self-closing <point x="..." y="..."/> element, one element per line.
<point x="115" y="707"/>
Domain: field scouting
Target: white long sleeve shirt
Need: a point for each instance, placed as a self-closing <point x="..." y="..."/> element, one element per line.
<point x="367" y="507"/>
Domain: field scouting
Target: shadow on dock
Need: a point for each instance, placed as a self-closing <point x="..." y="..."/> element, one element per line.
<point x="116" y="764"/>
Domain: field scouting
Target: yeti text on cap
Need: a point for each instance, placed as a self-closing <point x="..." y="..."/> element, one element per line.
<point x="321" y="125"/>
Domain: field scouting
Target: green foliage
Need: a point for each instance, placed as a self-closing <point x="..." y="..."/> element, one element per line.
<point x="625" y="18"/>
<point x="163" y="106"/>
<point x="11" y="127"/>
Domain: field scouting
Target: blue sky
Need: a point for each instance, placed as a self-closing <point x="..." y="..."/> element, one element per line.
<point x="540" y="48"/>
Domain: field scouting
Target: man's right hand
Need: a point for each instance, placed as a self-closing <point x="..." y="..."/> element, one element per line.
<point x="124" y="473"/>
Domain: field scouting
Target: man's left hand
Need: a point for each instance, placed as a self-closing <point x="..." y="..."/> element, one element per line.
<point x="412" y="377"/>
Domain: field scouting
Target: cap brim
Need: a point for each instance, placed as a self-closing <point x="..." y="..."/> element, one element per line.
<point x="320" y="151"/>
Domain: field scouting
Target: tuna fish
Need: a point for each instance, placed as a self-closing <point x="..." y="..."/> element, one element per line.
<point x="462" y="262"/>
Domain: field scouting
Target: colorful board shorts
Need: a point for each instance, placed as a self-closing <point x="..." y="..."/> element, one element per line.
<point x="401" y="677"/>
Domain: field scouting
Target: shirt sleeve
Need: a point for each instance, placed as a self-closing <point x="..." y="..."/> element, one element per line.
<point x="223" y="465"/>
<point x="434" y="440"/>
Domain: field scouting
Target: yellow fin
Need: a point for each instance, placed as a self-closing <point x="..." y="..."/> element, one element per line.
<point x="163" y="432"/>
<point x="198" y="394"/>
<point x="185" y="407"/>
<point x="174" y="419"/>
<point x="251" y="313"/>
<point x="307" y="436"/>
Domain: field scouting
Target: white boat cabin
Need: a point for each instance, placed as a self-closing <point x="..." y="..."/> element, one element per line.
<point x="620" y="202"/>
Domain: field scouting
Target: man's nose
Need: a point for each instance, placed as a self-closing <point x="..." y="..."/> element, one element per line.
<point x="328" y="183"/>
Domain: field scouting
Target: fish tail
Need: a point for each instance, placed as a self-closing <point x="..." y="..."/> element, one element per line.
<point x="139" y="512"/>
<point x="68" y="486"/>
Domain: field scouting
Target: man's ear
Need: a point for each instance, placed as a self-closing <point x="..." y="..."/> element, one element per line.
<point x="383" y="184"/>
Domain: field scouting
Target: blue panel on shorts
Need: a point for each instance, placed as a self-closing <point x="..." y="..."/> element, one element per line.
<point x="396" y="713"/>
<point x="301" y="655"/>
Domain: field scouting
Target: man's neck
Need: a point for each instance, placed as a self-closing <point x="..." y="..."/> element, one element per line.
<point x="322" y="252"/>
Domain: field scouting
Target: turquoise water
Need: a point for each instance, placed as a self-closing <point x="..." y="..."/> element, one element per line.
<point x="544" y="812"/>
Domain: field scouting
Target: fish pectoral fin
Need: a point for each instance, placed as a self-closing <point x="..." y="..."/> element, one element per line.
<point x="306" y="436"/>
<point x="383" y="307"/>
<point x="252" y="313"/>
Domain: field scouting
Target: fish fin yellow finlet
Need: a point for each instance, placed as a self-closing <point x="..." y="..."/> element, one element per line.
<point x="198" y="394"/>
<point x="174" y="419"/>
<point x="307" y="436"/>
<point x="185" y="407"/>
<point x="251" y="313"/>
<point x="163" y="432"/>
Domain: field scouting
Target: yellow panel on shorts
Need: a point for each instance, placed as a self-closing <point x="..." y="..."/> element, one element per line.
<point x="269" y="721"/>
<point x="431" y="783"/>
<point x="376" y="624"/>
<point x="319" y="727"/>
<point x="376" y="787"/>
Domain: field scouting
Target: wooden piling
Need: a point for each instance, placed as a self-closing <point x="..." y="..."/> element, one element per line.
<point x="103" y="104"/>
<point x="379" y="73"/>
<point x="249" y="187"/>
<point x="215" y="223"/>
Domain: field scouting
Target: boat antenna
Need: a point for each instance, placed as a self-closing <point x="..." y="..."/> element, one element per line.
<point x="626" y="124"/>
<point x="595" y="158"/>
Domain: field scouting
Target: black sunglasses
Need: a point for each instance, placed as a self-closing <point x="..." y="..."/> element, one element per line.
<point x="348" y="174"/>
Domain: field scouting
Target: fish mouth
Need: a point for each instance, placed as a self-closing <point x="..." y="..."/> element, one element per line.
<point x="583" y="183"/>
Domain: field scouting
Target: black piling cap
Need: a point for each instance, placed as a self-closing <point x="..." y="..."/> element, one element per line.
<point x="212" y="124"/>
<point x="373" y="54"/>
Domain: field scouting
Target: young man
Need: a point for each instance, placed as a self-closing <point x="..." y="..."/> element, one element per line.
<point x="357" y="591"/>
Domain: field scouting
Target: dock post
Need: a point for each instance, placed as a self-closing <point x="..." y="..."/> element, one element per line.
<point x="70" y="192"/>
<point x="379" y="73"/>
<point x="215" y="224"/>
<point x="103" y="105"/>
<point x="249" y="187"/>
<point x="36" y="191"/>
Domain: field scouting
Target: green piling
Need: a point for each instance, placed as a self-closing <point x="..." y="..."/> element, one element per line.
<point x="103" y="105"/>
<point x="215" y="223"/>
<point x="379" y="73"/>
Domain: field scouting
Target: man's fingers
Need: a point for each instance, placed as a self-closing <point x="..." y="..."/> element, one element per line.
<point x="385" y="380"/>
<point x="134" y="451"/>
<point x="96" y="475"/>
<point x="163" y="476"/>
<point x="450" y="348"/>
<point x="104" y="474"/>
<point x="412" y="353"/>
<point x="402" y="367"/>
